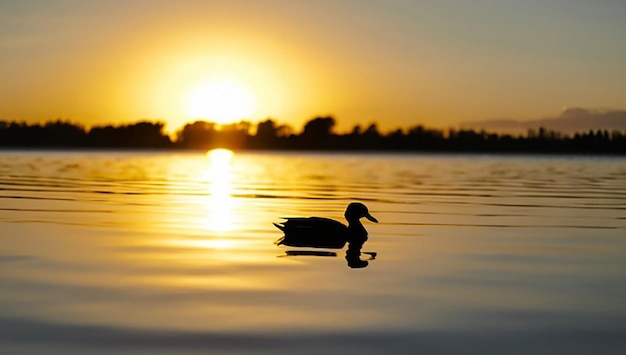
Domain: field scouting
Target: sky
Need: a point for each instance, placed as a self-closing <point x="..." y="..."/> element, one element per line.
<point x="399" y="63"/>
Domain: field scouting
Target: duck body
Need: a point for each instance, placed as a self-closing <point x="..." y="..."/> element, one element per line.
<point x="315" y="232"/>
<point x="318" y="232"/>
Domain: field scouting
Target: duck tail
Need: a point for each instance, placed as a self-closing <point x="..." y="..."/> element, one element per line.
<point x="280" y="240"/>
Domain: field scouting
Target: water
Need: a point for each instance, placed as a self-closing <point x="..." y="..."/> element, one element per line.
<point x="167" y="252"/>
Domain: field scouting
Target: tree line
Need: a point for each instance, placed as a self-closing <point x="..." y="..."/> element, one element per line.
<point x="317" y="134"/>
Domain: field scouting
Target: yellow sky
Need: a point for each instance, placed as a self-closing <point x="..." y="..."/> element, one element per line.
<point x="395" y="62"/>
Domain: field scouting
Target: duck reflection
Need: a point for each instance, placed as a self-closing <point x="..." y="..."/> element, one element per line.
<point x="317" y="232"/>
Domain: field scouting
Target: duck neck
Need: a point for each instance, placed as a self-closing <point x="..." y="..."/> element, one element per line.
<point x="357" y="234"/>
<point x="354" y="223"/>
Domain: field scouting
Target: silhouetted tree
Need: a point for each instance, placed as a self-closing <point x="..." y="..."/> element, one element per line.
<point x="319" y="127"/>
<point x="63" y="134"/>
<point x="233" y="136"/>
<point x="317" y="134"/>
<point x="148" y="135"/>
<point x="356" y="130"/>
<point x="284" y="131"/>
<point x="372" y="131"/>
<point x="138" y="135"/>
<point x="266" y="130"/>
<point x="196" y="135"/>
<point x="267" y="135"/>
<point x="52" y="134"/>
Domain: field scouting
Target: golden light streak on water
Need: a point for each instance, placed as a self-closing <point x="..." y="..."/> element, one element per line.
<point x="219" y="204"/>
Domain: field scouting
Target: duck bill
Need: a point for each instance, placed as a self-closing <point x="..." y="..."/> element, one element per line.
<point x="371" y="218"/>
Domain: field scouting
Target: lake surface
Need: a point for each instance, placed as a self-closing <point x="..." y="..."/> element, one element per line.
<point x="172" y="253"/>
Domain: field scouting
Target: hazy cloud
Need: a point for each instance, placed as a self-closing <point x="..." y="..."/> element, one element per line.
<point x="571" y="120"/>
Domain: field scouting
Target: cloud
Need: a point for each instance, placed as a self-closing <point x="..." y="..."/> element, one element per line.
<point x="571" y="120"/>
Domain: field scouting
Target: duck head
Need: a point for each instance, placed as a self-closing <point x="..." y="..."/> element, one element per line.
<point x="356" y="211"/>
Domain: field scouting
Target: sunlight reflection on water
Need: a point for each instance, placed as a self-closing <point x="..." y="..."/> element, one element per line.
<point x="182" y="243"/>
<point x="220" y="204"/>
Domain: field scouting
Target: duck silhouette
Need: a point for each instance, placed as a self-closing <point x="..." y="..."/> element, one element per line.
<point x="318" y="232"/>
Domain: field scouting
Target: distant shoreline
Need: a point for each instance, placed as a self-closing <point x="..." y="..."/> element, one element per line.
<point x="317" y="136"/>
<point x="304" y="151"/>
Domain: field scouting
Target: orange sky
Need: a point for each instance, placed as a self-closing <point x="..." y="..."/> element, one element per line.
<point x="396" y="62"/>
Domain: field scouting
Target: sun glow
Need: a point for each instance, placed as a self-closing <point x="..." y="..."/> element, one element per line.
<point x="221" y="100"/>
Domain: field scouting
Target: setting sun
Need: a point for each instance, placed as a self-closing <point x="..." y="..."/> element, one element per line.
<point x="220" y="100"/>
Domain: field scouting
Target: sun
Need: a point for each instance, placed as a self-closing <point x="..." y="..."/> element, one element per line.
<point x="221" y="100"/>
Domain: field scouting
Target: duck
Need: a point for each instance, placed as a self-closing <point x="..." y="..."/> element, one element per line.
<point x="318" y="232"/>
